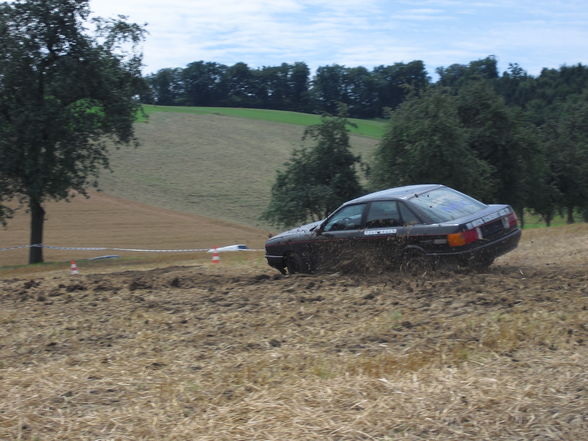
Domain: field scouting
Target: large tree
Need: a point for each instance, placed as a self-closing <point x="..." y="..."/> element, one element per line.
<point x="201" y="83"/>
<point x="457" y="75"/>
<point x="426" y="143"/>
<point x="238" y="83"/>
<point x="328" y="90"/>
<point x="68" y="88"/>
<point x="316" y="179"/>
<point x="395" y="82"/>
<point x="566" y="140"/>
<point x="501" y="137"/>
<point x="166" y="88"/>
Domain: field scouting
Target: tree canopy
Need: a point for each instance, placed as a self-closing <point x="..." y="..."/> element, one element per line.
<point x="426" y="143"/>
<point x="66" y="93"/>
<point x="316" y="179"/>
<point x="366" y="93"/>
<point x="523" y="138"/>
<point x="510" y="138"/>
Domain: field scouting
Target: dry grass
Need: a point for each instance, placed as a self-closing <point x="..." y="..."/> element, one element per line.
<point x="106" y="221"/>
<point x="493" y="399"/>
<point x="172" y="347"/>
<point x="213" y="165"/>
<point x="203" y="165"/>
<point x="237" y="352"/>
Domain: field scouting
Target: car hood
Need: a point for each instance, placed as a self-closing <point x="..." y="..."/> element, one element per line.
<point x="298" y="231"/>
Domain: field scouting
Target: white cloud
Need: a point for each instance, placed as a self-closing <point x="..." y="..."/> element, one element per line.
<point x="358" y="32"/>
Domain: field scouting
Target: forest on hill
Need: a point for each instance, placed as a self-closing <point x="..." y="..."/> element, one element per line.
<point x="366" y="93"/>
<point x="503" y="137"/>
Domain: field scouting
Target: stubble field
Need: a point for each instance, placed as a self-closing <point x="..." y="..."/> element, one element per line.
<point x="213" y="165"/>
<point x="107" y="221"/>
<point x="236" y="351"/>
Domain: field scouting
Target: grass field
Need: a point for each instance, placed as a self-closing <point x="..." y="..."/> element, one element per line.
<point x="371" y="128"/>
<point x="205" y="163"/>
<point x="223" y="160"/>
<point x="535" y="221"/>
<point x="210" y="164"/>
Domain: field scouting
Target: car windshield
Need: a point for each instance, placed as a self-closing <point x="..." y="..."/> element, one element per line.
<point x="444" y="204"/>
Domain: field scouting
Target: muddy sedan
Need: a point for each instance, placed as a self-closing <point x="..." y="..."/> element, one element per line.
<point x="418" y="226"/>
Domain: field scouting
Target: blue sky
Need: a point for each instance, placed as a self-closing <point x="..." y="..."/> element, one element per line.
<point x="533" y="33"/>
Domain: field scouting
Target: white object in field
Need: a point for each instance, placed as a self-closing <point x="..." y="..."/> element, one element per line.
<point x="239" y="247"/>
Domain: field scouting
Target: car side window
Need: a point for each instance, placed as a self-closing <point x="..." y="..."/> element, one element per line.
<point x="383" y="214"/>
<point x="348" y="218"/>
<point x="408" y="217"/>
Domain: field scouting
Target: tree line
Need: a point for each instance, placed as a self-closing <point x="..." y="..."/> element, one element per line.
<point x="366" y="93"/>
<point x="510" y="138"/>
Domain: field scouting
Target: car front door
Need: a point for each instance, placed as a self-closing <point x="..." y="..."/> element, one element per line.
<point x="339" y="237"/>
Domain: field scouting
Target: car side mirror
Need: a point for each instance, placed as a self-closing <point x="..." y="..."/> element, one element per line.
<point x="320" y="229"/>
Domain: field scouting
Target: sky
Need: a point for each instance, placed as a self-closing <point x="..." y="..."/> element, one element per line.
<point x="533" y="33"/>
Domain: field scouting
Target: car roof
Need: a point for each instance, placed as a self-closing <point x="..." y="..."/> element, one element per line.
<point x="396" y="193"/>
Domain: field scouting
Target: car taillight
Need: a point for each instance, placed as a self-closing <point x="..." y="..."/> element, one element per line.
<point x="463" y="238"/>
<point x="513" y="220"/>
<point x="510" y="220"/>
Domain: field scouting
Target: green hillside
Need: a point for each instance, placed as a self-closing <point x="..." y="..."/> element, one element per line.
<point x="370" y="128"/>
<point x="216" y="162"/>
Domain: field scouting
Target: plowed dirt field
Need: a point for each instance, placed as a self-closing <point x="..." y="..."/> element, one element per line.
<point x="236" y="351"/>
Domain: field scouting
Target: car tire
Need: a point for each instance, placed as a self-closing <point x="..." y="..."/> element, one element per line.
<point x="481" y="263"/>
<point x="415" y="261"/>
<point x="295" y="264"/>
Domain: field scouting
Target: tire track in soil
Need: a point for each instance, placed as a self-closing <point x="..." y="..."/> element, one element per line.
<point x="197" y="307"/>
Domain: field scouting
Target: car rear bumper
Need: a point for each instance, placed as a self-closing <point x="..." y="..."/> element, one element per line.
<point x="489" y="250"/>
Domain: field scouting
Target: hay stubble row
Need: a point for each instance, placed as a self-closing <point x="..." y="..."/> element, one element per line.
<point x="237" y="352"/>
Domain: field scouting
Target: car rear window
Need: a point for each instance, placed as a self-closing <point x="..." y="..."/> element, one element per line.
<point x="444" y="204"/>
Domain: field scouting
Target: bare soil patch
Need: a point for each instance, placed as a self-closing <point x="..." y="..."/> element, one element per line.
<point x="236" y="351"/>
<point x="107" y="221"/>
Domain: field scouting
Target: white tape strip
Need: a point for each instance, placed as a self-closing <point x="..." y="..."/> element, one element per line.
<point x="16" y="247"/>
<point x="139" y="250"/>
<point x="69" y="248"/>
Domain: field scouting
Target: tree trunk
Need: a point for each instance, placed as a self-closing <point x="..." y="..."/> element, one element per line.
<point x="570" y="219"/>
<point x="521" y="215"/>
<point x="37" y="220"/>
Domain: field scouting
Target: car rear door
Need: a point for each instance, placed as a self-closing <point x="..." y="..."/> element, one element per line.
<point x="384" y="230"/>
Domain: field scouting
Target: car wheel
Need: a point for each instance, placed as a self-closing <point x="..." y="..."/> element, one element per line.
<point x="414" y="261"/>
<point x="295" y="264"/>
